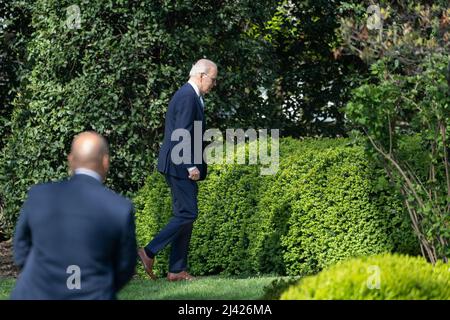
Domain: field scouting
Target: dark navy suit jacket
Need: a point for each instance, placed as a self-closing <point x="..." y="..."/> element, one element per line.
<point x="184" y="109"/>
<point x="73" y="224"/>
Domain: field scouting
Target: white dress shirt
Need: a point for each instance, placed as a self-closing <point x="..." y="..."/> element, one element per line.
<point x="89" y="172"/>
<point x="197" y="91"/>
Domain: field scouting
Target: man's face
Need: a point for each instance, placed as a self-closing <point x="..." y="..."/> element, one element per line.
<point x="208" y="80"/>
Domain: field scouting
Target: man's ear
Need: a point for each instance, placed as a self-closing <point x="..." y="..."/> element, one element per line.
<point x="105" y="163"/>
<point x="71" y="162"/>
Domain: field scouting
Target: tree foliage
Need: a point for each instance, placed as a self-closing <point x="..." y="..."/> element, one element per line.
<point x="112" y="67"/>
<point x="15" y="31"/>
<point x="312" y="83"/>
<point x="407" y="93"/>
<point x="405" y="32"/>
<point x="417" y="104"/>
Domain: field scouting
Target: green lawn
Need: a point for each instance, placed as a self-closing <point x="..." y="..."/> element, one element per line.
<point x="213" y="287"/>
<point x="6" y="285"/>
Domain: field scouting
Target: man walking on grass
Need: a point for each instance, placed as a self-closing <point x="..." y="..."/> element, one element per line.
<point x="186" y="109"/>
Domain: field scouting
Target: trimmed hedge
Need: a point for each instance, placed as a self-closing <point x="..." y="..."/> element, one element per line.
<point x="325" y="204"/>
<point x="227" y="220"/>
<point x="227" y="210"/>
<point x="153" y="207"/>
<point x="381" y="277"/>
<point x="115" y="75"/>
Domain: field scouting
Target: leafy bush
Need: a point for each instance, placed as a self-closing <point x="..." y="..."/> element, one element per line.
<point x="325" y="204"/>
<point x="115" y="74"/>
<point x="335" y="214"/>
<point x="222" y="233"/>
<point x="381" y="277"/>
<point x="274" y="209"/>
<point x="15" y="31"/>
<point x="153" y="200"/>
<point x="395" y="103"/>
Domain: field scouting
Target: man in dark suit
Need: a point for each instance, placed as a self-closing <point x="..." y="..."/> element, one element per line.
<point x="75" y="239"/>
<point x="184" y="115"/>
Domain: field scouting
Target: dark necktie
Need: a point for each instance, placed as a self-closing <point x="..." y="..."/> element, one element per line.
<point x="201" y="102"/>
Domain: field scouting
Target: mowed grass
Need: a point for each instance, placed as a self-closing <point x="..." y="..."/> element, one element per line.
<point x="6" y="285"/>
<point x="205" y="288"/>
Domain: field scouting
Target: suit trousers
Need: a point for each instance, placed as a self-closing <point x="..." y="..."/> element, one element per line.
<point x="179" y="228"/>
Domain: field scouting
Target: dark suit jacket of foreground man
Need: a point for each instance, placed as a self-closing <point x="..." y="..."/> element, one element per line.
<point x="71" y="226"/>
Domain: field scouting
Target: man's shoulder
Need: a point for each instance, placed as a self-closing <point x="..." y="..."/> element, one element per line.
<point x="117" y="199"/>
<point x="101" y="191"/>
<point x="51" y="187"/>
<point x="185" y="91"/>
<point x="46" y="186"/>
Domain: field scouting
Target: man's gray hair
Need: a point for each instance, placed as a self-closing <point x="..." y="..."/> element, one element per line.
<point x="201" y="66"/>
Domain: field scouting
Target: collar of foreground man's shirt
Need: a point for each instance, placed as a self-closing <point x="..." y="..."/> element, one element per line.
<point x="89" y="172"/>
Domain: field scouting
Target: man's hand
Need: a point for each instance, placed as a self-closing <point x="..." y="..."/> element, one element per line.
<point x="194" y="173"/>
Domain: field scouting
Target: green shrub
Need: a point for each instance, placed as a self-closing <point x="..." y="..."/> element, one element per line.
<point x="335" y="215"/>
<point x="415" y="102"/>
<point x="153" y="207"/>
<point x="381" y="277"/>
<point x="325" y="204"/>
<point x="115" y="74"/>
<point x="221" y="233"/>
<point x="227" y="206"/>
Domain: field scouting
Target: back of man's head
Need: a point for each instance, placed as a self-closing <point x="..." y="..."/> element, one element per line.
<point x="202" y="66"/>
<point x="90" y="151"/>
